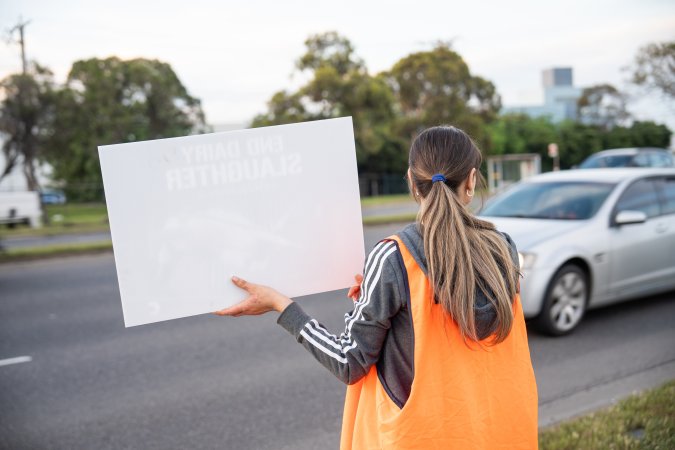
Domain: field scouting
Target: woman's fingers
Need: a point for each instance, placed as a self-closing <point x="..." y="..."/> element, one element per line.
<point x="354" y="290"/>
<point x="236" y="309"/>
<point x="230" y="311"/>
<point x="243" y="284"/>
<point x="261" y="299"/>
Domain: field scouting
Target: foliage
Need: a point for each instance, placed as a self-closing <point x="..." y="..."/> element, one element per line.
<point x="654" y="68"/>
<point x="26" y="112"/>
<point x="519" y="133"/>
<point x="602" y="105"/>
<point x="110" y="100"/>
<point x="107" y="101"/>
<point x="639" y="134"/>
<point x="436" y="87"/>
<point x="340" y="85"/>
<point x="422" y="89"/>
<point x="645" y="421"/>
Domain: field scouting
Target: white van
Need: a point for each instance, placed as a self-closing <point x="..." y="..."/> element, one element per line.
<point x="20" y="207"/>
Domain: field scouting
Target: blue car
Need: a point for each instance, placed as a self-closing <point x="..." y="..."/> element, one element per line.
<point x="52" y="197"/>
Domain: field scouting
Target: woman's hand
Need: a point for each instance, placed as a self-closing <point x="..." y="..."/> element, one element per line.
<point x="355" y="290"/>
<point x="261" y="299"/>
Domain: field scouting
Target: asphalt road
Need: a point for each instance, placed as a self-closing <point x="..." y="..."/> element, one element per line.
<point x="210" y="382"/>
<point x="41" y="241"/>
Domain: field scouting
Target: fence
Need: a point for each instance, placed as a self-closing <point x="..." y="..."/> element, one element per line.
<point x="372" y="184"/>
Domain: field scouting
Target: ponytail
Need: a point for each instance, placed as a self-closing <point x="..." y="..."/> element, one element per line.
<point x="462" y="251"/>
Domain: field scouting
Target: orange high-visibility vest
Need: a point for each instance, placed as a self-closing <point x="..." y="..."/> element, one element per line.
<point x="462" y="397"/>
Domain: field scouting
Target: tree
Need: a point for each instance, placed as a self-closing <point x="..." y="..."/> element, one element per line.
<point x="107" y="101"/>
<point x="518" y="133"/>
<point x="576" y="141"/>
<point x="654" y="68"/>
<point x="436" y="87"/>
<point x="26" y="113"/>
<point x="602" y="105"/>
<point x="339" y="85"/>
<point x="639" y="134"/>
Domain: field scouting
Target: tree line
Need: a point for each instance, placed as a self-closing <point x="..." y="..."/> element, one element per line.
<point x="436" y="87"/>
<point x="105" y="101"/>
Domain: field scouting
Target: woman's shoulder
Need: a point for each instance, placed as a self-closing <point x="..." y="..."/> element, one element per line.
<point x="512" y="247"/>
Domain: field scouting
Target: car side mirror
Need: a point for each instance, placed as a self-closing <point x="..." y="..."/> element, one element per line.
<point x="628" y="217"/>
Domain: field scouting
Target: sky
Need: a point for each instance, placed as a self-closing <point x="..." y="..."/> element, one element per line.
<point x="234" y="55"/>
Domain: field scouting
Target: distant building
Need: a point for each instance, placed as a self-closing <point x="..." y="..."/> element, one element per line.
<point x="560" y="97"/>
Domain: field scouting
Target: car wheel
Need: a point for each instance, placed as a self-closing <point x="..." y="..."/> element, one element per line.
<point x="565" y="301"/>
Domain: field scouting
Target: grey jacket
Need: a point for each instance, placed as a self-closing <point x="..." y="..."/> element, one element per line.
<point x="379" y="329"/>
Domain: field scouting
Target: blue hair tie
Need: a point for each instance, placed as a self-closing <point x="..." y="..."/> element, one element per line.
<point x="438" y="177"/>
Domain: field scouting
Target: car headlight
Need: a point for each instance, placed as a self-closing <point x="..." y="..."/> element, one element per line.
<point x="526" y="260"/>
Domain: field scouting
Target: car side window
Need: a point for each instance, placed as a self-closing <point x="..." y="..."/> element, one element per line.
<point x="641" y="160"/>
<point x="669" y="195"/>
<point x="666" y="159"/>
<point x="640" y="196"/>
<point x="659" y="159"/>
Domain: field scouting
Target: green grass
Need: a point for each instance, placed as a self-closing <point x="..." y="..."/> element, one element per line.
<point x="384" y="220"/>
<point x="79" y="213"/>
<point x="643" y="421"/>
<point x="23" y="254"/>
<point x="65" y="219"/>
<point x="385" y="200"/>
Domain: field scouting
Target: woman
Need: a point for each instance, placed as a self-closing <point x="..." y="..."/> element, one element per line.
<point x="435" y="351"/>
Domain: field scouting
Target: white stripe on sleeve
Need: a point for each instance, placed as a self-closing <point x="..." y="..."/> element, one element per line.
<point x="322" y="348"/>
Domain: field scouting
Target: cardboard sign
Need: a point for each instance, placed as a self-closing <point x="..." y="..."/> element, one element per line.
<point x="277" y="206"/>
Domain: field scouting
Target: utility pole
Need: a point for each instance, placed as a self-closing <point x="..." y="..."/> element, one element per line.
<point x="22" y="42"/>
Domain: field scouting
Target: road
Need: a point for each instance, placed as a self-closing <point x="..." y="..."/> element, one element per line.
<point x="57" y="239"/>
<point x="210" y="382"/>
<point x="408" y="207"/>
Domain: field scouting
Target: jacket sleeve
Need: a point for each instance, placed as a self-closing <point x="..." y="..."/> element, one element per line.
<point x="514" y="256"/>
<point x="350" y="355"/>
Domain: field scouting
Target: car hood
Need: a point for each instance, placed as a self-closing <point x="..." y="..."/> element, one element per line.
<point x="529" y="232"/>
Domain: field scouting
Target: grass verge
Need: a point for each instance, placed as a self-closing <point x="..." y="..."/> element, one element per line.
<point x="383" y="220"/>
<point x="385" y="200"/>
<point x="70" y="218"/>
<point x="642" y="421"/>
<point x="54" y="230"/>
<point x="31" y="253"/>
<point x="78" y="213"/>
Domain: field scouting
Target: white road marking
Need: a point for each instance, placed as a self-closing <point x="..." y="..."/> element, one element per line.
<point x="17" y="360"/>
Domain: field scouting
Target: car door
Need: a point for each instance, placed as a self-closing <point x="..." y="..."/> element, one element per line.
<point x="667" y="191"/>
<point x="639" y="251"/>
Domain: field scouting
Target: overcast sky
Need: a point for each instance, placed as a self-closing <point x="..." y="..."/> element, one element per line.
<point x="235" y="55"/>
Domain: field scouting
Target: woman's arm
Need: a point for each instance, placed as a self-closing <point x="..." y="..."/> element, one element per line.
<point x="350" y="355"/>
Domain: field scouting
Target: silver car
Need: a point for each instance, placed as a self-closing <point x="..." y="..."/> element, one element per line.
<point x="629" y="157"/>
<point x="588" y="238"/>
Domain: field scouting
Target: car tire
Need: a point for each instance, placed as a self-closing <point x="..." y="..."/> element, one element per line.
<point x="565" y="301"/>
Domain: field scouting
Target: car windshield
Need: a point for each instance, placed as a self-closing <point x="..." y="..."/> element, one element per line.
<point x="600" y="161"/>
<point x="572" y="200"/>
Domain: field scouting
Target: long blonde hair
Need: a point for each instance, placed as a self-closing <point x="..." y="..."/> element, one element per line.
<point x="462" y="251"/>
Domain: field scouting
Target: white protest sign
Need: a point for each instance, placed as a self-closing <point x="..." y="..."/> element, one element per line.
<point x="276" y="205"/>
